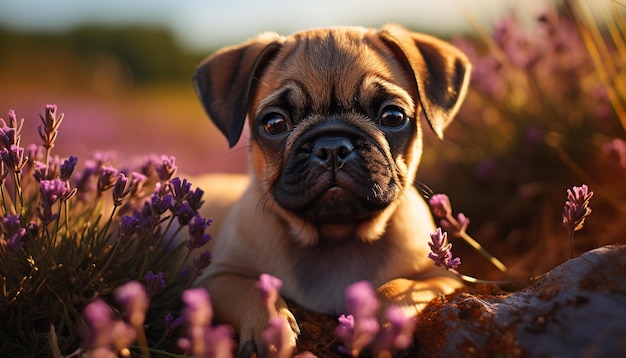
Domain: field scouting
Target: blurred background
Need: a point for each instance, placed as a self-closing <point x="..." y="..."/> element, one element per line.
<point x="544" y="112"/>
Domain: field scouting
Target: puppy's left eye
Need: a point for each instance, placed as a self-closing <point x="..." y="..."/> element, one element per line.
<point x="275" y="124"/>
<point x="392" y="117"/>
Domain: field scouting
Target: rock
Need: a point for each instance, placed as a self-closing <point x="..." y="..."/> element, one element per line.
<point x="576" y="310"/>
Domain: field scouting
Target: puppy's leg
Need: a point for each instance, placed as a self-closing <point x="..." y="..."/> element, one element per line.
<point x="237" y="302"/>
<point x="414" y="295"/>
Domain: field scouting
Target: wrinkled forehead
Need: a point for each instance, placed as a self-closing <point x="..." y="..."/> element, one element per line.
<point x="331" y="56"/>
<point x="329" y="65"/>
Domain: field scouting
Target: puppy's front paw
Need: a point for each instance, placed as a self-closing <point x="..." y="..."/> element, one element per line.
<point x="414" y="295"/>
<point x="265" y="336"/>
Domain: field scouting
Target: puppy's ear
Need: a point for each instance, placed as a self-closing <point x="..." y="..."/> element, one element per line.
<point x="441" y="71"/>
<point x="225" y="82"/>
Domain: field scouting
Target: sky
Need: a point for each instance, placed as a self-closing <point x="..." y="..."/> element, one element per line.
<point x="199" y="24"/>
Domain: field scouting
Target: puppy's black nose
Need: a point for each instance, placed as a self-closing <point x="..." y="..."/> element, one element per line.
<point x="333" y="150"/>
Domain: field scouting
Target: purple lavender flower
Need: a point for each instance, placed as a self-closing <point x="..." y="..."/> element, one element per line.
<point x="216" y="342"/>
<point x="154" y="283"/>
<point x="198" y="310"/>
<point x="398" y="335"/>
<point x="14" y="233"/>
<point x="180" y="189"/>
<point x="197" y="235"/>
<point x="345" y="329"/>
<point x="7" y="135"/>
<point x="455" y="226"/>
<point x="147" y="219"/>
<point x="278" y="338"/>
<point x="442" y="209"/>
<point x="576" y="207"/>
<point x="138" y="181"/>
<point x="362" y="305"/>
<point x="171" y="323"/>
<point x="49" y="171"/>
<point x="67" y="168"/>
<point x="34" y="153"/>
<point x="132" y="295"/>
<point x="576" y="211"/>
<point x="202" y="261"/>
<point x="167" y="168"/>
<point x="121" y="189"/>
<point x="10" y="134"/>
<point x="99" y="318"/>
<point x="440" y="250"/>
<point x="361" y="300"/>
<point x="129" y="225"/>
<point x="13" y="122"/>
<point x="104" y="333"/>
<point x="440" y="206"/>
<point x="202" y="339"/>
<point x="32" y="229"/>
<point x="194" y="199"/>
<point x="269" y="286"/>
<point x="51" y="191"/>
<point x="107" y="178"/>
<point x="14" y="158"/>
<point x="122" y="335"/>
<point x="161" y="203"/>
<point x="185" y="213"/>
<point x="278" y="335"/>
<point x="49" y="129"/>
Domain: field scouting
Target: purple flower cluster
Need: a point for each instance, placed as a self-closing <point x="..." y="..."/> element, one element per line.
<point x="56" y="226"/>
<point x="440" y="251"/>
<point x="197" y="232"/>
<point x="440" y="248"/>
<point x="13" y="233"/>
<point x="154" y="283"/>
<point x="174" y="196"/>
<point x="108" y="336"/>
<point x="51" y="191"/>
<point x="201" y="262"/>
<point x="11" y="153"/>
<point x="576" y="210"/>
<point x="203" y="339"/>
<point x="135" y="301"/>
<point x="576" y="207"/>
<point x="360" y="329"/>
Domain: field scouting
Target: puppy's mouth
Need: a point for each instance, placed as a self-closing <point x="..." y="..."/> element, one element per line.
<point x="337" y="205"/>
<point x="337" y="179"/>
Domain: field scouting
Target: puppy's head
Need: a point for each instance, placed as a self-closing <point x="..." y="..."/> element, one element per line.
<point x="334" y="119"/>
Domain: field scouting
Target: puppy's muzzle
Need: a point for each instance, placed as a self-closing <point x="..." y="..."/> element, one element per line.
<point x="336" y="172"/>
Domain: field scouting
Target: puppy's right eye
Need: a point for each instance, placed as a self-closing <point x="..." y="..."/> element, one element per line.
<point x="275" y="124"/>
<point x="392" y="117"/>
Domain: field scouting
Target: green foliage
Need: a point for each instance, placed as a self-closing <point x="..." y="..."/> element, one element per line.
<point x="149" y="54"/>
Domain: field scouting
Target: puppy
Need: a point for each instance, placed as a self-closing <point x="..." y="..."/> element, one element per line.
<point x="335" y="143"/>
